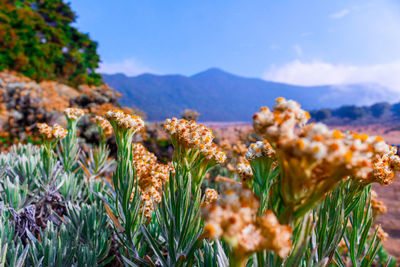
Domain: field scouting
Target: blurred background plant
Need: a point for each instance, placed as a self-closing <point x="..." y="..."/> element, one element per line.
<point x="190" y="115"/>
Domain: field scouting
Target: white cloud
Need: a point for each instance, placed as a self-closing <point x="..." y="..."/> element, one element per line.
<point x="129" y="67"/>
<point x="340" y="14"/>
<point x="299" y="51"/>
<point x="325" y="73"/>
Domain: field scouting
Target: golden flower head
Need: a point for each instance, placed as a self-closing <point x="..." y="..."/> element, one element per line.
<point x="260" y="149"/>
<point x="119" y="119"/>
<point x="150" y="175"/>
<point x="192" y="135"/>
<point x="245" y="172"/>
<point x="52" y="133"/>
<point x="381" y="234"/>
<point x="280" y="122"/>
<point x="233" y="217"/>
<point x="384" y="166"/>
<point x="378" y="207"/>
<point x="210" y="196"/>
<point x="239" y="148"/>
<point x="73" y="114"/>
<point x="104" y="125"/>
<point x="314" y="159"/>
<point x="280" y="236"/>
<point x="316" y="145"/>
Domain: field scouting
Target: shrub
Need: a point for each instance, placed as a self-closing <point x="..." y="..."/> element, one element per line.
<point x="38" y="40"/>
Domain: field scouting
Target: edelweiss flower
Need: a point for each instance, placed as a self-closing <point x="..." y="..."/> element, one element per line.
<point x="192" y="135"/>
<point x="279" y="235"/>
<point x="381" y="234"/>
<point x="104" y="125"/>
<point x="260" y="149"/>
<point x="119" y="119"/>
<point x="52" y="133"/>
<point x="210" y="196"/>
<point x="314" y="159"/>
<point x="150" y="175"/>
<point x="279" y="124"/>
<point x="233" y="217"/>
<point x="384" y="166"/>
<point x="245" y="172"/>
<point x="194" y="148"/>
<point x="74" y="114"/>
<point x="378" y="207"/>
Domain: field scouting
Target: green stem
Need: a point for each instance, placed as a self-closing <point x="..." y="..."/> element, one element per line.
<point x="261" y="259"/>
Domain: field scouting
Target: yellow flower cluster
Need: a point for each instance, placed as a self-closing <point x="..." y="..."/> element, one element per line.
<point x="314" y="147"/>
<point x="125" y="121"/>
<point x="193" y="135"/>
<point x="73" y="114"/>
<point x="260" y="149"/>
<point x="210" y="196"/>
<point x="150" y="175"/>
<point x="378" y="207"/>
<point x="279" y="124"/>
<point x="279" y="236"/>
<point x="381" y="234"/>
<point x="104" y="125"/>
<point x="52" y="133"/>
<point x="245" y="172"/>
<point x="384" y="166"/>
<point x="234" y="218"/>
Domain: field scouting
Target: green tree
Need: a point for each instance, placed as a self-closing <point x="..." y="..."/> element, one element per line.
<point x="38" y="40"/>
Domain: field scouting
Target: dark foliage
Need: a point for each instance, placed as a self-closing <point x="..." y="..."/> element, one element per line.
<point x="38" y="40"/>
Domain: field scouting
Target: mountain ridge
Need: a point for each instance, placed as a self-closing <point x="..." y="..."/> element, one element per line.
<point x="222" y="96"/>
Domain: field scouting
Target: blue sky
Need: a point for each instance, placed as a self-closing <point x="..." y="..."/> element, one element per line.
<point x="306" y="42"/>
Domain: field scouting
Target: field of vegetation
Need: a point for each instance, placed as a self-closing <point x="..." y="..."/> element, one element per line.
<point x="301" y="196"/>
<point x="86" y="182"/>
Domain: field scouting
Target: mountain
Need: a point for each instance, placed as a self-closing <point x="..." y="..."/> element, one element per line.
<point x="221" y="96"/>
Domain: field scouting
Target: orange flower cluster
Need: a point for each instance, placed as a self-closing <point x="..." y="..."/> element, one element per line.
<point x="378" y="207"/>
<point x="260" y="149"/>
<point x="192" y="135"/>
<point x="384" y="166"/>
<point x="104" y="125"/>
<point x="313" y="159"/>
<point x="234" y="218"/>
<point x="381" y="234"/>
<point x="278" y="125"/>
<point x="150" y="175"/>
<point x="322" y="152"/>
<point x="245" y="172"/>
<point x="74" y="114"/>
<point x="125" y="121"/>
<point x="52" y="133"/>
<point x="210" y="196"/>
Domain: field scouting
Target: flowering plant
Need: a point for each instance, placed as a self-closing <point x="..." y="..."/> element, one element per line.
<point x="303" y="196"/>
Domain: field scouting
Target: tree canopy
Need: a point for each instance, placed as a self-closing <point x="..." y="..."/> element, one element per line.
<point x="37" y="39"/>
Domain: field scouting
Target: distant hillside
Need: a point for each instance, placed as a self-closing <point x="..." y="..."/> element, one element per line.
<point x="221" y="96"/>
<point x="378" y="113"/>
